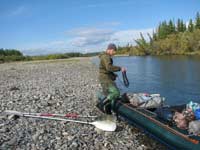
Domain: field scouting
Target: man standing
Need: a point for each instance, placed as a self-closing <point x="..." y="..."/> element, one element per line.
<point x="107" y="77"/>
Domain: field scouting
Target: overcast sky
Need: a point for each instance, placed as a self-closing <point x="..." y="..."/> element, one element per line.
<point x="58" y="26"/>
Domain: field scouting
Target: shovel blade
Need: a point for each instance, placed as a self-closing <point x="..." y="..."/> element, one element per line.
<point x="106" y="123"/>
<point x="13" y="112"/>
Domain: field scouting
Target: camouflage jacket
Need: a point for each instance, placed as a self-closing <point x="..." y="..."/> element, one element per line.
<point x="106" y="66"/>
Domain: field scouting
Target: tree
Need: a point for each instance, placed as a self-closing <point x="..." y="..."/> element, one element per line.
<point x="12" y="52"/>
<point x="184" y="28"/>
<point x="178" y="25"/>
<point x="181" y="27"/>
<point x="143" y="46"/>
<point x="2" y="52"/>
<point x="162" y="30"/>
<point x="171" y="27"/>
<point x="197" y="23"/>
<point x="150" y="38"/>
<point x="154" y="36"/>
<point x="190" y="26"/>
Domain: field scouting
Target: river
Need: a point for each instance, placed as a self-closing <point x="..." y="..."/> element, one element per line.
<point x="177" y="78"/>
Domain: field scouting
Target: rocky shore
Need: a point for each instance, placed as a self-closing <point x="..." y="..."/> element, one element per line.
<point x="59" y="86"/>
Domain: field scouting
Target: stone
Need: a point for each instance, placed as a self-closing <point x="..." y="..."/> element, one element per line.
<point x="58" y="86"/>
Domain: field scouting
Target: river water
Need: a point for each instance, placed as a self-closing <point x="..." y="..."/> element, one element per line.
<point x="177" y="78"/>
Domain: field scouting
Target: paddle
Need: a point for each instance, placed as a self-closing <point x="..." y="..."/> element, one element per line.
<point x="106" y="123"/>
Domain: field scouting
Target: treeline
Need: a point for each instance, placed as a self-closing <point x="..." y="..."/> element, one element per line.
<point x="63" y="56"/>
<point x="9" y="55"/>
<point x="169" y="38"/>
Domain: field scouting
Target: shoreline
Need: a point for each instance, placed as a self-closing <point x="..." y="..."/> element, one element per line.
<point x="64" y="86"/>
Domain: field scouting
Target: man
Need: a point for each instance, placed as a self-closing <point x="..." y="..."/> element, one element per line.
<point x="107" y="77"/>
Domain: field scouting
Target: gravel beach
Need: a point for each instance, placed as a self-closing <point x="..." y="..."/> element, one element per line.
<point x="58" y="86"/>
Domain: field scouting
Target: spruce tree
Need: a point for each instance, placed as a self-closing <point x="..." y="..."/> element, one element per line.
<point x="2" y="52"/>
<point x="197" y="23"/>
<point x="154" y="36"/>
<point x="171" y="27"/>
<point x="181" y="27"/>
<point x="178" y="26"/>
<point x="190" y="26"/>
<point x="162" y="30"/>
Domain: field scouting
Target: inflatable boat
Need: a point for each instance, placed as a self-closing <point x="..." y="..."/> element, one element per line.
<point x="147" y="119"/>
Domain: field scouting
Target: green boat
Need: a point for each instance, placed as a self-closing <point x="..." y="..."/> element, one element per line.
<point x="170" y="135"/>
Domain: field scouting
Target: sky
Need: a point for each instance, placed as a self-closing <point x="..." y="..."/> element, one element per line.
<point x="38" y="27"/>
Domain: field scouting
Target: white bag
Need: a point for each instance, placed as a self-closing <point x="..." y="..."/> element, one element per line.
<point x="145" y="100"/>
<point x="194" y="127"/>
<point x="152" y="103"/>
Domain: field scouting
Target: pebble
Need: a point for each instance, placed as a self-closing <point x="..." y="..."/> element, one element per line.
<point x="59" y="86"/>
<point x="35" y="136"/>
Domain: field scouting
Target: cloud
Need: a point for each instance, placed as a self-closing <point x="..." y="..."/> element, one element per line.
<point x="109" y="4"/>
<point x="187" y="23"/>
<point x="51" y="47"/>
<point x="88" y="40"/>
<point x="110" y="24"/>
<point x="128" y="36"/>
<point x="17" y="11"/>
<point x="89" y="36"/>
<point x="37" y="51"/>
<point x="88" y="31"/>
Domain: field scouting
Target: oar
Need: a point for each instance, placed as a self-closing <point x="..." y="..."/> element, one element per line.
<point x="104" y="123"/>
<point x="68" y="115"/>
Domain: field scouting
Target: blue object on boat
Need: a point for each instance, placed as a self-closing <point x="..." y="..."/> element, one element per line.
<point x="192" y="105"/>
<point x="197" y="114"/>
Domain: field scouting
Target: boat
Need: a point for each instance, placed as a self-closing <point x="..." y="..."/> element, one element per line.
<point x="170" y="135"/>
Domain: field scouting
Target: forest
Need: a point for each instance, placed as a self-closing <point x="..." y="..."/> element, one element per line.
<point x="169" y="38"/>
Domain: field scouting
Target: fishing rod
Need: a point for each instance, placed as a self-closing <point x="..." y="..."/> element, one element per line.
<point x="103" y="123"/>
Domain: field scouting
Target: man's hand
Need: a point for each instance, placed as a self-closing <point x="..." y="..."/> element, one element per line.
<point x="123" y="69"/>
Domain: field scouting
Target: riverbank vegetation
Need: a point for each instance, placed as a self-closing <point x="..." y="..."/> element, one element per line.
<point x="9" y="55"/>
<point x="170" y="38"/>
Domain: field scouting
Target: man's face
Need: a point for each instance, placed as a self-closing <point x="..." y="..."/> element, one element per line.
<point x="111" y="52"/>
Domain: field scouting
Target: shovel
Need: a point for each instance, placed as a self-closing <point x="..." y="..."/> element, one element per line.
<point x="68" y="115"/>
<point x="105" y="123"/>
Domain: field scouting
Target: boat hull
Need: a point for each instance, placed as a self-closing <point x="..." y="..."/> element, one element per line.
<point x="149" y="123"/>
